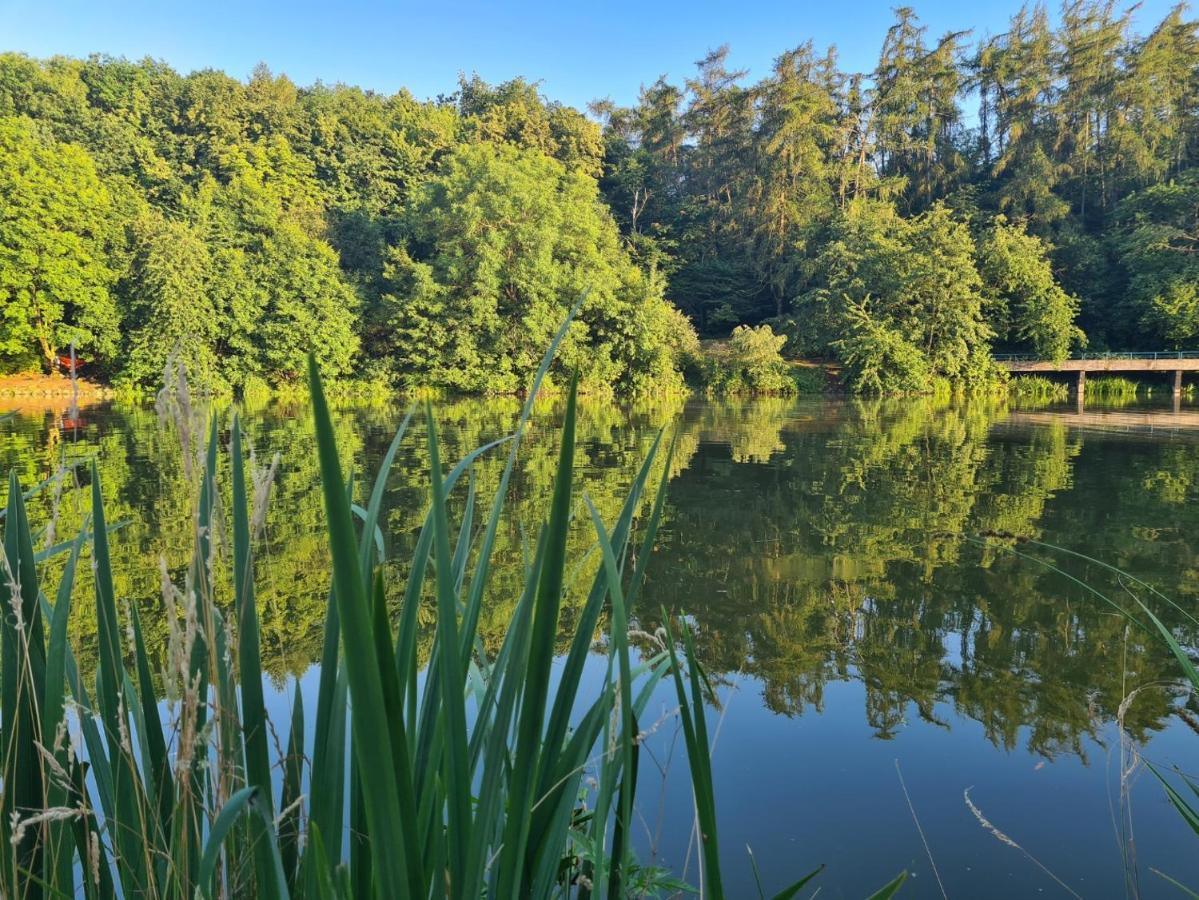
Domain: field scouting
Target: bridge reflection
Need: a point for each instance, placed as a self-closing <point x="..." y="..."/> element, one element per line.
<point x="1124" y="422"/>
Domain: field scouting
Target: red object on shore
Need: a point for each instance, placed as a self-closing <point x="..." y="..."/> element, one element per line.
<point x="65" y="362"/>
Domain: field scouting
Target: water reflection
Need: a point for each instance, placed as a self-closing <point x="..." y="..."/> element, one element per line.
<point x="814" y="542"/>
<point x="848" y="554"/>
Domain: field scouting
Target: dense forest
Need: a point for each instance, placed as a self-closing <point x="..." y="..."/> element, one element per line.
<point x="1036" y="190"/>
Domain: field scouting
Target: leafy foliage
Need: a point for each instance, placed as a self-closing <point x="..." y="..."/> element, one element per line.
<point x="500" y="245"/>
<point x="1086" y="134"/>
<point x="357" y="225"/>
<point x="1159" y="239"/>
<point x="55" y="224"/>
<point x="751" y="363"/>
<point x="245" y="225"/>
<point x="1025" y="304"/>
<point x="899" y="301"/>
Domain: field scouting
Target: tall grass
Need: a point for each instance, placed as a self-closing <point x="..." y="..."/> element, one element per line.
<point x="1114" y="389"/>
<point x="1037" y="389"/>
<point x="461" y="782"/>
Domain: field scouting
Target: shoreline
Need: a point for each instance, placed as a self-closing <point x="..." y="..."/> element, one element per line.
<point x="51" y="386"/>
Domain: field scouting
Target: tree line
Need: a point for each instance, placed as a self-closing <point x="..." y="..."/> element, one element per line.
<point x="1035" y="190"/>
<point x="241" y="225"/>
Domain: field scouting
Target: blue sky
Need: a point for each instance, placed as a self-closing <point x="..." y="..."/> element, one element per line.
<point x="579" y="51"/>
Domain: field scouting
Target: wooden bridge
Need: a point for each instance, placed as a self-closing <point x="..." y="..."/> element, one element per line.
<point x="1166" y="362"/>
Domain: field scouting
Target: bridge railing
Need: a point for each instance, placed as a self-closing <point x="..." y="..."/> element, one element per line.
<point x="1131" y="354"/>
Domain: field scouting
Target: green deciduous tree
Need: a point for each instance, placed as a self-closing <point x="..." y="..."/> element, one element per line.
<point x="751" y="363"/>
<point x="1159" y="247"/>
<point x="244" y="220"/>
<point x="171" y="302"/>
<point x="899" y="301"/>
<point x="55" y="223"/>
<point x="1026" y="306"/>
<point x="500" y="245"/>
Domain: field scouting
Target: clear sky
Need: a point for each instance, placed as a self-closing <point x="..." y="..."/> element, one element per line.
<point x="578" y="50"/>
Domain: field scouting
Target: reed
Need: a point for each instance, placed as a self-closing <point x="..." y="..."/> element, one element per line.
<point x="1036" y="389"/>
<point x="1114" y="389"/>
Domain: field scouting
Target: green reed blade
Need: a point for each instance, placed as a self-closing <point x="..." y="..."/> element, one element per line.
<point x="393" y="698"/>
<point x="588" y="620"/>
<point x="65" y="470"/>
<point x="1184" y="661"/>
<point x="321" y="886"/>
<point x="253" y="709"/>
<point x="289" y="802"/>
<point x="127" y="825"/>
<point x="557" y="805"/>
<point x="231" y="748"/>
<point x="541" y="653"/>
<point x="395" y="875"/>
<point x="482" y="571"/>
<point x="406" y="634"/>
<point x="428" y="711"/>
<point x="266" y="815"/>
<point x="791" y="890"/>
<point x="327" y="786"/>
<point x="96" y="750"/>
<point x="237" y="804"/>
<point x="190" y="812"/>
<point x="59" y="867"/>
<point x="458" y="781"/>
<point x="620" y="651"/>
<point x="890" y="888"/>
<point x="462" y="546"/>
<point x="1179" y="802"/>
<point x="23" y="673"/>
<point x="695" y="734"/>
<point x="497" y="712"/>
<point x="41" y="556"/>
<point x="605" y="790"/>
<point x="651" y="529"/>
<point x="95" y="874"/>
<point x="430" y="708"/>
<point x="370" y="523"/>
<point x="162" y="784"/>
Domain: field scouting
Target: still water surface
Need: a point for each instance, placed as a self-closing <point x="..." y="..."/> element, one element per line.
<point x="885" y="651"/>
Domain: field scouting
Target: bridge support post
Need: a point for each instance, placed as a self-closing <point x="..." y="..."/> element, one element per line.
<point x="1082" y="384"/>
<point x="1178" y="382"/>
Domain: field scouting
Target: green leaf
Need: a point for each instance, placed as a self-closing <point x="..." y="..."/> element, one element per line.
<point x="526" y="764"/>
<point x="891" y="888"/>
<point x="221" y="826"/>
<point x="254" y="720"/>
<point x="395" y="875"/>
<point x="289" y="803"/>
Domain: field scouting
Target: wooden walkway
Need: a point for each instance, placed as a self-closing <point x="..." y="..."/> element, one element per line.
<point x="1166" y="362"/>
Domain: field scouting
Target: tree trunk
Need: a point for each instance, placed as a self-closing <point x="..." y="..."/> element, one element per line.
<point x="48" y="354"/>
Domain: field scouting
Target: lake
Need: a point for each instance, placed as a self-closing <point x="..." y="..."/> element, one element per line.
<point x="901" y="674"/>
